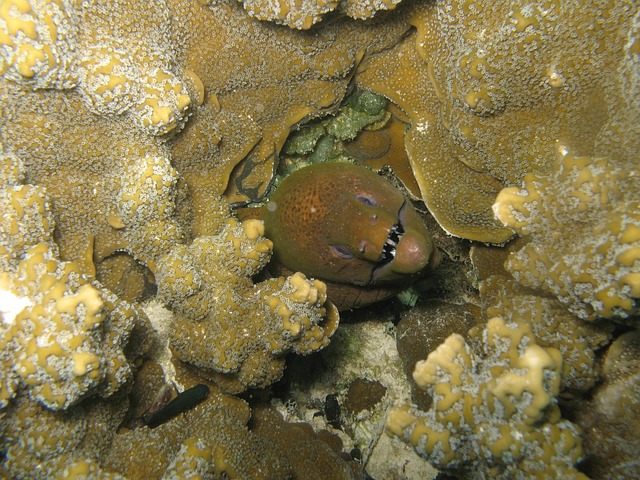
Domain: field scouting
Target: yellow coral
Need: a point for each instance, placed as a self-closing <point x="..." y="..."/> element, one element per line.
<point x="63" y="337"/>
<point x="57" y="339"/>
<point x="305" y="13"/>
<point x="494" y="413"/>
<point x="583" y="228"/>
<point x="36" y="43"/>
<point x="506" y="94"/>
<point x="86" y="470"/>
<point x="553" y="326"/>
<point x="226" y="323"/>
<point x="193" y="461"/>
<point x="164" y="102"/>
<point x="109" y="80"/>
<point x="145" y="204"/>
<point x="27" y="219"/>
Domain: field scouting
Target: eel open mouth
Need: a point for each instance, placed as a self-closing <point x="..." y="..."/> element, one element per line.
<point x="391" y="244"/>
<point x="407" y="250"/>
<point x="390" y="247"/>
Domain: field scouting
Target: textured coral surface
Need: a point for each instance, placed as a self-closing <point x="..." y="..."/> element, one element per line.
<point x="595" y="270"/>
<point x="130" y="130"/>
<point x="493" y="411"/>
<point x="495" y="89"/>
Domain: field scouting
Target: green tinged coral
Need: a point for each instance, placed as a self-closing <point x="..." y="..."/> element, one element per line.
<point x="322" y="140"/>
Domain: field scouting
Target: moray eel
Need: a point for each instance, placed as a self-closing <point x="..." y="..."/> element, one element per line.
<point x="343" y="223"/>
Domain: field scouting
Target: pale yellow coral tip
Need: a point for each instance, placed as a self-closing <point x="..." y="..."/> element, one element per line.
<point x="629" y="256"/>
<point x="253" y="229"/>
<point x="398" y="420"/>
<point x="632" y="280"/>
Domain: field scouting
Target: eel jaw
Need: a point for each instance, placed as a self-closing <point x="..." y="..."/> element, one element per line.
<point x="390" y="246"/>
<point x="405" y="253"/>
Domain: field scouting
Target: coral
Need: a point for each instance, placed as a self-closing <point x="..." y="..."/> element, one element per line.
<point x="145" y="208"/>
<point x="583" y="226"/>
<point x="210" y="440"/>
<point x="67" y="342"/>
<point x="86" y="470"/>
<point x="40" y="443"/>
<point x="506" y="95"/>
<point x="304" y="75"/>
<point x="27" y="217"/>
<point x="304" y="14"/>
<point x="226" y="323"/>
<point x="494" y="413"/>
<point x="43" y="46"/>
<point x="426" y="326"/>
<point x="314" y="457"/>
<point x="123" y="121"/>
<point x="133" y="149"/>
<point x="66" y="337"/>
<point x="553" y="326"/>
<point x="37" y="43"/>
<point x="193" y="460"/>
<point x="609" y="417"/>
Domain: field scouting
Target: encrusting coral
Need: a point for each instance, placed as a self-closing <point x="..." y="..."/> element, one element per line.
<point x="505" y="95"/>
<point x="303" y="14"/>
<point x="133" y="159"/>
<point x="583" y="226"/>
<point x="123" y="122"/>
<point x="494" y="413"/>
<point x="42" y="47"/>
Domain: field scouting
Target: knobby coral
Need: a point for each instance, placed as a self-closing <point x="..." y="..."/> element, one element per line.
<point x="583" y="226"/>
<point x="305" y="13"/>
<point x="205" y="283"/>
<point x="553" y="326"/>
<point x="62" y="337"/>
<point x="122" y="122"/>
<point x="494" y="412"/>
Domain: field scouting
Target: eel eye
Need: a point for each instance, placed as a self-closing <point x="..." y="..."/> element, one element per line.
<point x="340" y="251"/>
<point x="366" y="200"/>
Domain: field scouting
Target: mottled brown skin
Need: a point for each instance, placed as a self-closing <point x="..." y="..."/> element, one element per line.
<point x="331" y="221"/>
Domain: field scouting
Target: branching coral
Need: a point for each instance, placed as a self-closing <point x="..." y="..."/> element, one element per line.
<point x="553" y="326"/>
<point x="228" y="324"/>
<point x="494" y="413"/>
<point x="583" y="223"/>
